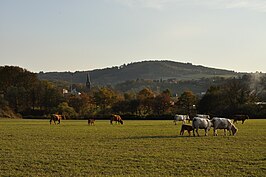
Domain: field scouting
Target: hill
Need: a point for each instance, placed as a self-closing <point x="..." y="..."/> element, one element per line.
<point x="147" y="70"/>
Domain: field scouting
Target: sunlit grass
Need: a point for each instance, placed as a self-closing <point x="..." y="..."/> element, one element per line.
<point x="137" y="148"/>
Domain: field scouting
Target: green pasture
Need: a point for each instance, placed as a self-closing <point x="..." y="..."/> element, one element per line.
<point x="137" y="148"/>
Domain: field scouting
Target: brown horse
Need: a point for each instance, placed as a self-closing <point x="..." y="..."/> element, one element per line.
<point x="91" y="121"/>
<point x="56" y="117"/>
<point x="186" y="127"/>
<point x="116" y="118"/>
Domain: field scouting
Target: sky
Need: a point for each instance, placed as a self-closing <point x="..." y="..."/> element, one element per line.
<point x="82" y="35"/>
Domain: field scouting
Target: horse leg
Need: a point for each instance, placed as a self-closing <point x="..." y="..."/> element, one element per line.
<point x="197" y="131"/>
<point x="230" y="131"/>
<point x="181" y="132"/>
<point x="59" y="121"/>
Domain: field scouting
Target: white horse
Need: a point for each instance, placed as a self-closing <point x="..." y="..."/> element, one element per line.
<point x="223" y="123"/>
<point x="182" y="118"/>
<point x="201" y="123"/>
<point x="203" y="116"/>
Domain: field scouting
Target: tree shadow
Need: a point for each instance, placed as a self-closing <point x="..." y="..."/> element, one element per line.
<point x="158" y="137"/>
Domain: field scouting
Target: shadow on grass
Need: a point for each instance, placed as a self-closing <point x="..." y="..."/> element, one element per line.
<point x="157" y="137"/>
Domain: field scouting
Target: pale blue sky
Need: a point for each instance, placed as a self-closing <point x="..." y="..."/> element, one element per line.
<point x="78" y="35"/>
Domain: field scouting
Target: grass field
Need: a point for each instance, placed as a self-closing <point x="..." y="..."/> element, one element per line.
<point x="137" y="148"/>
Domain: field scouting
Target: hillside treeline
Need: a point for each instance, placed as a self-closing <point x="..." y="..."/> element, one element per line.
<point x="23" y="94"/>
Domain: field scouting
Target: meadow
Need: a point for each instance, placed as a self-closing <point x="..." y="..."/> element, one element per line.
<point x="137" y="148"/>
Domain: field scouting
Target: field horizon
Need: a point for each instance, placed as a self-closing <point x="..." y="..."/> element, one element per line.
<point x="137" y="148"/>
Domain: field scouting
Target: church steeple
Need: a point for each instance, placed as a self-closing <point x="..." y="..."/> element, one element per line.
<point x="88" y="82"/>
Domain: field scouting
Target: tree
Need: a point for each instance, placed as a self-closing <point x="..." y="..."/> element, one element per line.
<point x="50" y="96"/>
<point x="105" y="98"/>
<point x="237" y="94"/>
<point x="66" y="110"/>
<point x="13" y="76"/>
<point x="129" y="105"/>
<point x="145" y="97"/>
<point x="162" y="103"/>
<point x="187" y="102"/>
<point x="213" y="102"/>
<point x="233" y="97"/>
<point x="18" y="85"/>
<point x="83" y="104"/>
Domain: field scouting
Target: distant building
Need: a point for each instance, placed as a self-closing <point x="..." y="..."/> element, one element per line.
<point x="65" y="91"/>
<point x="71" y="92"/>
<point x="88" y="82"/>
<point x="75" y="92"/>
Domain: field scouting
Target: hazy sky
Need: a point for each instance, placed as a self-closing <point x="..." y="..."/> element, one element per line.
<point x="78" y="35"/>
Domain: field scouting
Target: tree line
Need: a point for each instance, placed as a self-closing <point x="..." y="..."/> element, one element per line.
<point x="22" y="93"/>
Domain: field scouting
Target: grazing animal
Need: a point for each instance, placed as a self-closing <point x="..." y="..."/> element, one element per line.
<point x="91" y="121"/>
<point x="56" y="117"/>
<point x="240" y="118"/>
<point x="186" y="127"/>
<point x="203" y="116"/>
<point x="201" y="123"/>
<point x="182" y="118"/>
<point x="223" y="123"/>
<point x="116" y="118"/>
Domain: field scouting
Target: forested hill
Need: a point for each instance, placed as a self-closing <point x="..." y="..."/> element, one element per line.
<point x="151" y="70"/>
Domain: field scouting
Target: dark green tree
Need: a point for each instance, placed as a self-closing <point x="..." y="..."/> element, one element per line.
<point x="187" y="103"/>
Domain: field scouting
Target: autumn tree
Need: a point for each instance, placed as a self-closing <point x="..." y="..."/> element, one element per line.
<point x="162" y="102"/>
<point x="128" y="105"/>
<point x="66" y="110"/>
<point x="83" y="105"/>
<point x="145" y="97"/>
<point x="105" y="98"/>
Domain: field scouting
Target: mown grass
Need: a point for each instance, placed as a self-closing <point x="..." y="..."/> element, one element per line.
<point x="137" y="148"/>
